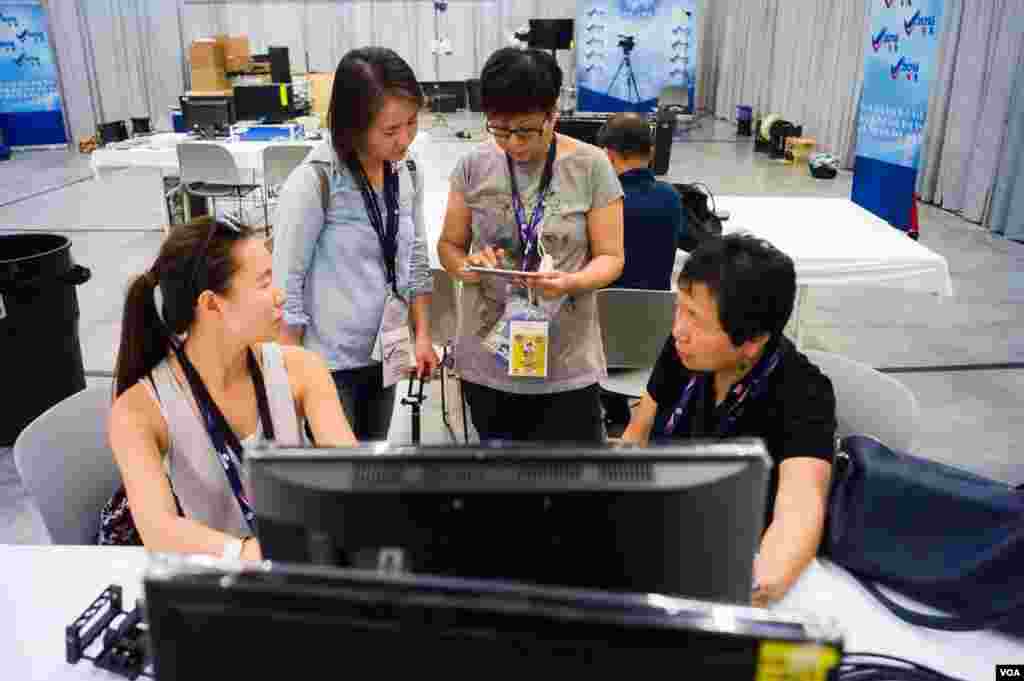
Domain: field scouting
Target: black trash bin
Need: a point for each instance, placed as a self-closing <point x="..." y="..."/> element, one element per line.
<point x="40" y="354"/>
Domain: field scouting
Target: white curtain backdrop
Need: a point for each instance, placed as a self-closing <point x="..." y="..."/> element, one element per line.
<point x="118" y="59"/>
<point x="75" y="71"/>
<point x="328" y="29"/>
<point x="804" y="60"/>
<point x="967" y="120"/>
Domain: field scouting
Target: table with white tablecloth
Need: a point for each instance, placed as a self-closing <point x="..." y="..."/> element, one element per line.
<point x="46" y="587"/>
<point x="150" y="159"/>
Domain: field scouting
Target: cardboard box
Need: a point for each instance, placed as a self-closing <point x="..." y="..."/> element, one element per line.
<point x="206" y="53"/>
<point x="207" y="80"/>
<point x="236" y="53"/>
<point x="320" y="86"/>
<point x="208" y="68"/>
<point x="210" y="93"/>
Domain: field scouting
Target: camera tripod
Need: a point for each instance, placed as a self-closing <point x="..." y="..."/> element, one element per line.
<point x="632" y="89"/>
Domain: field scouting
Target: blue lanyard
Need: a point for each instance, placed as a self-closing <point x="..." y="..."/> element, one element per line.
<point x="528" y="232"/>
<point x="387" y="233"/>
<point x="749" y="388"/>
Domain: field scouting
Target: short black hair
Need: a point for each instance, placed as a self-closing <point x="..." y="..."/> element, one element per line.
<point x="516" y="81"/>
<point x="752" y="282"/>
<point x="627" y="133"/>
<point x="364" y="77"/>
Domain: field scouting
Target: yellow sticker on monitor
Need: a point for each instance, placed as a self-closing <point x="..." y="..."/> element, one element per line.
<point x="782" y="661"/>
<point x="284" y="95"/>
<point x="528" y="343"/>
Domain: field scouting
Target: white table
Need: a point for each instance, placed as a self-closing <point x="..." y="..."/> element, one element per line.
<point x="161" y="151"/>
<point x="835" y="242"/>
<point x="150" y="159"/>
<point x="46" y="587"/>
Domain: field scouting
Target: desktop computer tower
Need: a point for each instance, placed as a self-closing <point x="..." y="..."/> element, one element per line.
<point x="280" y="66"/>
<point x="664" y="130"/>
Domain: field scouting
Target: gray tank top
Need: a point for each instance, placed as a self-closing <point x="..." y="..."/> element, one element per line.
<point x="196" y="475"/>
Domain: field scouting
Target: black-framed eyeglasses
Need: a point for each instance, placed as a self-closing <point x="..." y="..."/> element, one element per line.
<point x="525" y="134"/>
<point x="227" y="222"/>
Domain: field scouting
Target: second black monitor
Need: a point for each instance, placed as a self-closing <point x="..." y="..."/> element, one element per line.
<point x="265" y="103"/>
<point x="681" y="520"/>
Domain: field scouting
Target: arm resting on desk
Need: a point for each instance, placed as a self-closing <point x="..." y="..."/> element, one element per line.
<point x="792" y="538"/>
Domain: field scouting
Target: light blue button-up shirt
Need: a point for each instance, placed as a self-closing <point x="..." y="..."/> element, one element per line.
<point x="331" y="268"/>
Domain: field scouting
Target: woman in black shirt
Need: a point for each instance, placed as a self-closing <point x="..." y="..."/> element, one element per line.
<point x="727" y="371"/>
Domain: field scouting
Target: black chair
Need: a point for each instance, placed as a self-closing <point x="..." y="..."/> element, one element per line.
<point x="109" y="133"/>
<point x="141" y="125"/>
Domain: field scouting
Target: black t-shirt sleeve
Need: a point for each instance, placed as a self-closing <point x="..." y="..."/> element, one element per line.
<point x="668" y="376"/>
<point x="808" y="424"/>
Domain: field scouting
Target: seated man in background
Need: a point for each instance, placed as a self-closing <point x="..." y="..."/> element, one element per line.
<point x="652" y="211"/>
<point x="727" y="371"/>
<point x="651" y="220"/>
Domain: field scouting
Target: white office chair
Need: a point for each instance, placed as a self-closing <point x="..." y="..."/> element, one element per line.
<point x="634" y="325"/>
<point x="444" y="313"/>
<point x="279" y="160"/>
<point x="869" y="402"/>
<point x="66" y="465"/>
<point x="209" y="170"/>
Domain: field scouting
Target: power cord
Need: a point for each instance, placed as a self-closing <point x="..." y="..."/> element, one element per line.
<point x="877" y="667"/>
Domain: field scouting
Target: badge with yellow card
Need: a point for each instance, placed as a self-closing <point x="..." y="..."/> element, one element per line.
<point x="528" y="342"/>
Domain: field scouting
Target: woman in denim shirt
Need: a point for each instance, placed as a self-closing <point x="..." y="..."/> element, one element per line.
<point x="331" y="263"/>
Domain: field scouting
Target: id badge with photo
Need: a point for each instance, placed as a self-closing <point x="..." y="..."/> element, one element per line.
<point x="499" y="340"/>
<point x="393" y="345"/>
<point x="528" y="345"/>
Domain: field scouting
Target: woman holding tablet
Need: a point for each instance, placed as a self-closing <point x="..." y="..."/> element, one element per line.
<point x="548" y="207"/>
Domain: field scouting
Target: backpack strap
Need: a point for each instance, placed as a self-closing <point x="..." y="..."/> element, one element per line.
<point x="325" y="183"/>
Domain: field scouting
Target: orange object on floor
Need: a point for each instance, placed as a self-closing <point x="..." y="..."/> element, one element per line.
<point x="915" y="227"/>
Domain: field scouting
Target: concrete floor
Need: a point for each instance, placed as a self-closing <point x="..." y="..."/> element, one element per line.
<point x="968" y="417"/>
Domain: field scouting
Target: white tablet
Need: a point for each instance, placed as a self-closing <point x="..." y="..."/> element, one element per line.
<point x="501" y="273"/>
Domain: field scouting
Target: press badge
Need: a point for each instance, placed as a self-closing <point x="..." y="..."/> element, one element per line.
<point x="528" y="349"/>
<point x="393" y="345"/>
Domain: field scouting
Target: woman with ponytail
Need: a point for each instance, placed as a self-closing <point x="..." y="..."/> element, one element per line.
<point x="197" y="378"/>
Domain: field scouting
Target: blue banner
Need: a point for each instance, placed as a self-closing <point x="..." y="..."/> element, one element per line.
<point x="899" y="67"/>
<point x="628" y="50"/>
<point x="30" y="105"/>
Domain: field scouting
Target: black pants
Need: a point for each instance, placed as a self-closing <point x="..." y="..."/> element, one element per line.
<point x="573" y="416"/>
<point x="368" y="405"/>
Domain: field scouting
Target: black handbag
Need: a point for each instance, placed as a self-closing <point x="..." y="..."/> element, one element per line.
<point x="940" y="535"/>
<point x="701" y="223"/>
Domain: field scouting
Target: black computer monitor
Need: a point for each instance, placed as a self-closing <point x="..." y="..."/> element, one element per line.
<point x="212" y="115"/>
<point x="307" y="619"/>
<point x="551" y="34"/>
<point x="681" y="520"/>
<point x="266" y="103"/>
<point x="447" y="96"/>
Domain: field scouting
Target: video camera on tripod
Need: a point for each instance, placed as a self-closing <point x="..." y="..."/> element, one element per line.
<point x="627" y="42"/>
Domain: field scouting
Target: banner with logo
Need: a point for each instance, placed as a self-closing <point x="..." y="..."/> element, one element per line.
<point x="30" y="105"/>
<point x="628" y="50"/>
<point x="900" y="65"/>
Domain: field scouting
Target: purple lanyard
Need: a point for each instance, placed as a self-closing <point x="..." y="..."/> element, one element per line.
<point x="750" y="387"/>
<point x="528" y="232"/>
